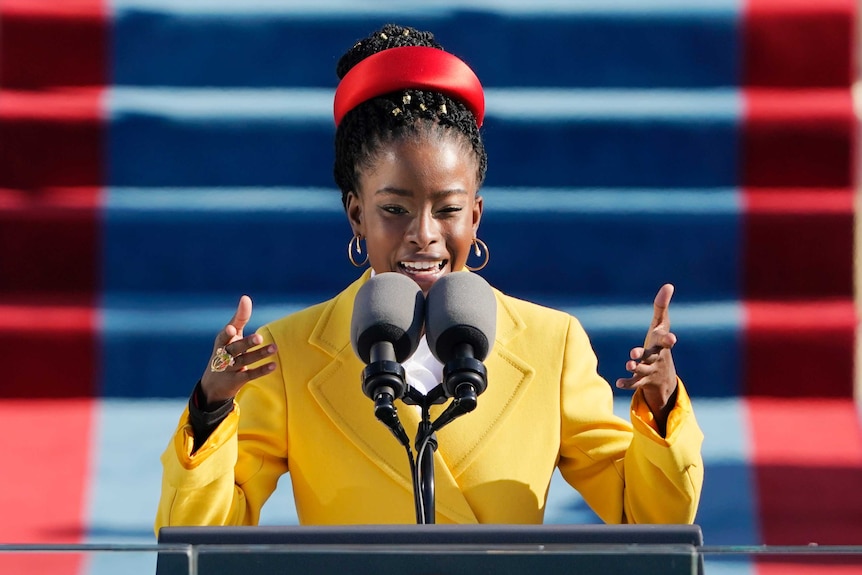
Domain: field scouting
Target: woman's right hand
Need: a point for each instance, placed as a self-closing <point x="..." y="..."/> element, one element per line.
<point x="219" y="386"/>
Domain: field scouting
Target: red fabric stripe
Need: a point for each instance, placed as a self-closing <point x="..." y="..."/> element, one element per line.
<point x="46" y="472"/>
<point x="60" y="104"/>
<point x="51" y="43"/>
<point x="53" y="138"/>
<point x="808" y="465"/>
<point x="798" y="139"/>
<point x="51" y="240"/>
<point x="799" y="201"/>
<point x="55" y="345"/>
<point x="819" y="565"/>
<point x="799" y="349"/>
<point x="799" y="43"/>
<point x="798" y="243"/>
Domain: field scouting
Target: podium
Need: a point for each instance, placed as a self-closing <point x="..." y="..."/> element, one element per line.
<point x="435" y="550"/>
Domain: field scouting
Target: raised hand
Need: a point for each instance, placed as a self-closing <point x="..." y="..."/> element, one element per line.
<point x="228" y="369"/>
<point x="652" y="366"/>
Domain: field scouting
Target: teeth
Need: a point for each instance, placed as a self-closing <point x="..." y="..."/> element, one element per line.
<point x="422" y="266"/>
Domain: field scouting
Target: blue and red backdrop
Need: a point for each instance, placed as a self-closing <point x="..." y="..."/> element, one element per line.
<point x="158" y="159"/>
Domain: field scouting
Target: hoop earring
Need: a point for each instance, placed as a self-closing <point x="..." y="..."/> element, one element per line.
<point x="476" y="243"/>
<point x="355" y="245"/>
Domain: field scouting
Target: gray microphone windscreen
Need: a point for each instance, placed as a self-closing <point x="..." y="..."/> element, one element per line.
<point x="388" y="307"/>
<point x="460" y="308"/>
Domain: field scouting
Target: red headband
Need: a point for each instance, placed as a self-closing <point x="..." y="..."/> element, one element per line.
<point x="418" y="67"/>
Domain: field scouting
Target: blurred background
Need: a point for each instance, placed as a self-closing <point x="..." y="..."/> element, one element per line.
<point x="159" y="158"/>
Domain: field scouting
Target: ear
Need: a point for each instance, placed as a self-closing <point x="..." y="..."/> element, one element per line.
<point x="478" y="206"/>
<point x="354" y="213"/>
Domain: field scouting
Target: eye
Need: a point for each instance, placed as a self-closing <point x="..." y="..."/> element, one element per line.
<point x="449" y="210"/>
<point x="393" y="209"/>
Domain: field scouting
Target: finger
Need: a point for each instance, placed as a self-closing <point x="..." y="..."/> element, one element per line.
<point x="225" y="336"/>
<point x="640" y="368"/>
<point x="657" y="340"/>
<point x="661" y="303"/>
<point x="249" y="374"/>
<point x="651" y="354"/>
<point x="233" y="330"/>
<point x="252" y="357"/>
<point x="243" y="344"/>
<point x="667" y="340"/>
<point x="628" y="382"/>
<point x="649" y="357"/>
<point x="641" y="375"/>
<point x="636" y="353"/>
<point x="242" y="315"/>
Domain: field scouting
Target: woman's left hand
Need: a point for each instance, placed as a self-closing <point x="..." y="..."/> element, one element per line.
<point x="652" y="366"/>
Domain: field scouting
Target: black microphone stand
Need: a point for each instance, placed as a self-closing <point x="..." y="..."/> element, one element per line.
<point x="425" y="445"/>
<point x="383" y="380"/>
<point x="464" y="378"/>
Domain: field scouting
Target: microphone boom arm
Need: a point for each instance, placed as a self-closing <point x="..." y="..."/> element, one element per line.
<point x="383" y="380"/>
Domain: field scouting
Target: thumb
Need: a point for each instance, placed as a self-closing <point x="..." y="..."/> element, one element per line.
<point x="242" y="315"/>
<point x="233" y="330"/>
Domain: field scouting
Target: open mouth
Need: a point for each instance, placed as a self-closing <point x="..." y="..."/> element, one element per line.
<point x="424" y="267"/>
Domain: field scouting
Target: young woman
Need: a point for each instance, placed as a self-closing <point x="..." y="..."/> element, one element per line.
<point x="410" y="163"/>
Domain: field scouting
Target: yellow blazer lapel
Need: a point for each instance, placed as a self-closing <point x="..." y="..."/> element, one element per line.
<point x="508" y="378"/>
<point x="337" y="389"/>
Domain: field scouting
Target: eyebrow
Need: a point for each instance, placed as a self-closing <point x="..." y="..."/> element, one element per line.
<point x="408" y="194"/>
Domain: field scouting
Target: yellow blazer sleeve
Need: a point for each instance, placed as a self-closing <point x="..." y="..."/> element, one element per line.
<point x="227" y="481"/>
<point x="625" y="471"/>
<point x="669" y="468"/>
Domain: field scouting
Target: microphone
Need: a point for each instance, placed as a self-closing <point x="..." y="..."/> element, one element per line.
<point x="385" y="330"/>
<point x="460" y="326"/>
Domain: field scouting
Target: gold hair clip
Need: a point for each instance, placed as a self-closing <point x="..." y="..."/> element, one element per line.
<point x="384" y="36"/>
<point x="422" y="107"/>
<point x="406" y="99"/>
<point x="406" y="32"/>
<point x="396" y="111"/>
<point x="442" y="108"/>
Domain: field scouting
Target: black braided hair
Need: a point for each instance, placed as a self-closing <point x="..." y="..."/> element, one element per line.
<point x="365" y="129"/>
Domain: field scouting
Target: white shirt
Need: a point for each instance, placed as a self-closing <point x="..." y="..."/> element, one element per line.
<point x="423" y="371"/>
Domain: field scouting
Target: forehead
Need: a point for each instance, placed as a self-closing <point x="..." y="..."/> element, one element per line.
<point x="422" y="162"/>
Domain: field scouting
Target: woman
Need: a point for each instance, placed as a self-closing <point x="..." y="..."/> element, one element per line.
<point x="410" y="162"/>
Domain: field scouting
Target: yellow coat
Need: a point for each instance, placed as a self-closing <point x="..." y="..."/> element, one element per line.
<point x="545" y="406"/>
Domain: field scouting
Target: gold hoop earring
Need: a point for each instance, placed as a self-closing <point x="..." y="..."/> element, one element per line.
<point x="476" y="243"/>
<point x="355" y="245"/>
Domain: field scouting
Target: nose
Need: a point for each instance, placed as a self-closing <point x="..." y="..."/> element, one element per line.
<point x="424" y="230"/>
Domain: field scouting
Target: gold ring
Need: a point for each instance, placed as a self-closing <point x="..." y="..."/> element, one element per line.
<point x="221" y="360"/>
